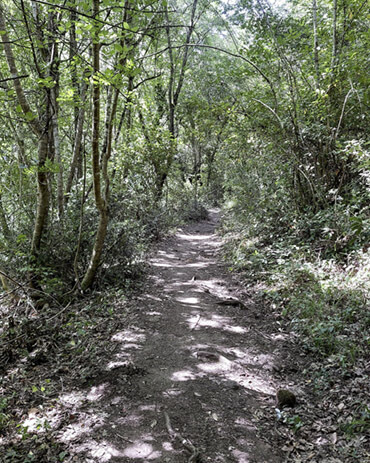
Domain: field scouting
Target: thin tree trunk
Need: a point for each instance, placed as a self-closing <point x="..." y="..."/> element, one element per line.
<point x="108" y="109"/>
<point x="21" y="97"/>
<point x="99" y="201"/>
<point x="101" y="173"/>
<point x="53" y="59"/>
<point x="58" y="159"/>
<point x="4" y="222"/>
<point x="315" y="43"/>
<point x="126" y="112"/>
<point x="77" y="144"/>
<point x="72" y="54"/>
<point x="334" y="38"/>
<point x="43" y="196"/>
<point x="173" y="94"/>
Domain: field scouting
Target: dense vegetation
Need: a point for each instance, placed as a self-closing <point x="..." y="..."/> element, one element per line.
<point x="122" y="119"/>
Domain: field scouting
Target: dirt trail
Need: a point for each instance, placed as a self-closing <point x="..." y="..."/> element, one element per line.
<point x="188" y="375"/>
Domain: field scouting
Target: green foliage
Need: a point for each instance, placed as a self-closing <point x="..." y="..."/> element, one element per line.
<point x="294" y="421"/>
<point x="325" y="300"/>
<point x="281" y="141"/>
<point x="359" y="423"/>
<point x="275" y="136"/>
<point x="4" y="416"/>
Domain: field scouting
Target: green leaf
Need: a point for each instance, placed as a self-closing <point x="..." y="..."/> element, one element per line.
<point x="30" y="116"/>
<point x="118" y="48"/>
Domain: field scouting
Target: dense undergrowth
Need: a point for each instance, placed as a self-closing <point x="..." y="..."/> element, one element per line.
<point x="318" y="287"/>
<point x="324" y="298"/>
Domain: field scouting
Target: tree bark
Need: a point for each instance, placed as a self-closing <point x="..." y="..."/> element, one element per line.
<point x="54" y="93"/>
<point x="100" y="163"/>
<point x="334" y="38"/>
<point x="173" y="94"/>
<point x="43" y="196"/>
<point x="77" y="144"/>
<point x="315" y="44"/>
<point x="21" y="97"/>
<point x="4" y="222"/>
<point x="99" y="201"/>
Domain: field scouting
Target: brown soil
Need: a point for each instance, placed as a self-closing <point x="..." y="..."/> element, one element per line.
<point x="190" y="375"/>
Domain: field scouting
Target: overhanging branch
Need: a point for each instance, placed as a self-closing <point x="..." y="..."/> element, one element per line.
<point x="222" y="50"/>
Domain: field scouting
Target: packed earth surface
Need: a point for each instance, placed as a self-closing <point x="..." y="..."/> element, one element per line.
<point x="189" y="374"/>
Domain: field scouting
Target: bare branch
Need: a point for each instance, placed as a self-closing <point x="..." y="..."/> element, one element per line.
<point x="270" y="109"/>
<point x="13" y="78"/>
<point x="342" y="113"/>
<point x="146" y="80"/>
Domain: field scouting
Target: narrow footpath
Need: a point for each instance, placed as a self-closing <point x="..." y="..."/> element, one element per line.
<point x="191" y="372"/>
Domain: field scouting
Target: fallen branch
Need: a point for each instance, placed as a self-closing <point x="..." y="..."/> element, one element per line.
<point x="233" y="302"/>
<point x="196" y="323"/>
<point x="195" y="453"/>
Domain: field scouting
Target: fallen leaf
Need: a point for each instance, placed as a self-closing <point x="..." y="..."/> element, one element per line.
<point x="333" y="438"/>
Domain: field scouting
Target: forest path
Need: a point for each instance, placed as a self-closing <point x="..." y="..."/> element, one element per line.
<point x="188" y="375"/>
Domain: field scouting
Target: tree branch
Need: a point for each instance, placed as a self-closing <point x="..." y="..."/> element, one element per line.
<point x="13" y="78"/>
<point x="222" y="50"/>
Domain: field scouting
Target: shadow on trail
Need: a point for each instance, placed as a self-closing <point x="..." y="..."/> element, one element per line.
<point x="184" y="357"/>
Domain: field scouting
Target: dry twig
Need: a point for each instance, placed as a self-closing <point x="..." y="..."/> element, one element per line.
<point x="195" y="453"/>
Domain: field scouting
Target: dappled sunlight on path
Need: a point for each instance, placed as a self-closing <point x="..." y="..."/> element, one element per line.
<point x="182" y="356"/>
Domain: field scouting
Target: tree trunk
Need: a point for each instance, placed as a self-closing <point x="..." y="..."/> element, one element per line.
<point x="99" y="201"/>
<point x="43" y="195"/>
<point x="77" y="144"/>
<point x="58" y="158"/>
<point x="4" y="222"/>
<point x="101" y="197"/>
<point x="97" y="250"/>
<point x="334" y="39"/>
<point x="173" y="93"/>
<point x="315" y="44"/>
